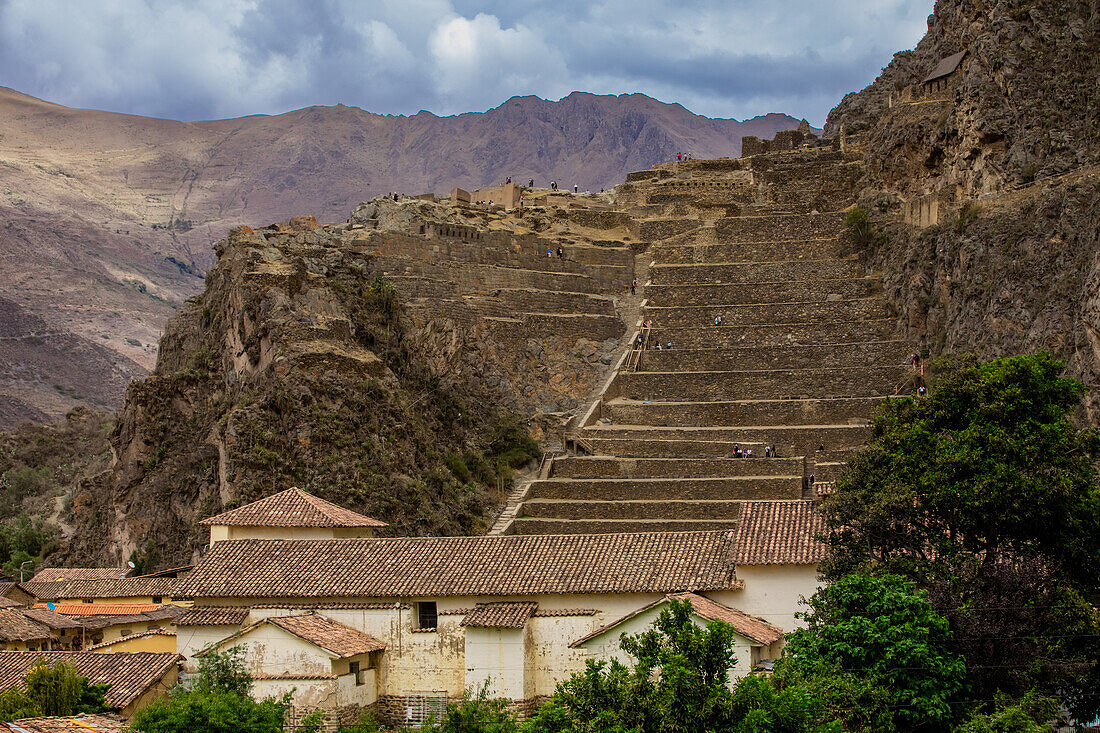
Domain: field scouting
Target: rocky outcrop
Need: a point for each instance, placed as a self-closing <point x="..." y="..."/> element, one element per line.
<point x="983" y="185"/>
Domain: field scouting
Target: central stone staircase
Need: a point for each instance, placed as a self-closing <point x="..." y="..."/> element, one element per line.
<point x="805" y="350"/>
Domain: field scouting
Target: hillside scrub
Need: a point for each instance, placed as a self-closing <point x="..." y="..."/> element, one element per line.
<point x="297" y="367"/>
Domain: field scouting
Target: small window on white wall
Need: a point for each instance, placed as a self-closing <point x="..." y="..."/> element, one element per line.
<point x="427" y="616"/>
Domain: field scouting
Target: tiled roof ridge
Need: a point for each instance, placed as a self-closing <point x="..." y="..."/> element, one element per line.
<point x="151" y="666"/>
<point x="753" y="627"/>
<point x="288" y="508"/>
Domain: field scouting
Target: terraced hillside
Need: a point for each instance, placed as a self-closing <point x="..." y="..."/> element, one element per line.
<point x="805" y="349"/>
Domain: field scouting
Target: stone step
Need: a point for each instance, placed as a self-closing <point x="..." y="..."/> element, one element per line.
<point x="774" y="227"/>
<point x="802" y="356"/>
<point x="609" y="467"/>
<point x="755" y="272"/>
<point x="807" y="291"/>
<point x="853" y="381"/>
<point x="632" y="509"/>
<point x="853" y="410"/>
<point x="768" y="313"/>
<point x="654" y="489"/>
<point x="704" y="252"/>
<point x="526" y="525"/>
<point x="724" y="337"/>
<point x="792" y="440"/>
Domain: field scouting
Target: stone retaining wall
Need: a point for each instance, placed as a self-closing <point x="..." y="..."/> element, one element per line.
<point x="755" y="272"/>
<point x="774" y="292"/>
<point x="596" y="526"/>
<point x="751" y="412"/>
<point x="777" y="228"/>
<point x="744" y="488"/>
<point x="797" y="249"/>
<point x="670" y="509"/>
<point x="773" y="335"/>
<point x="768" y="313"/>
<point x="855" y="381"/>
<point x="776" y="357"/>
<point x="607" y="467"/>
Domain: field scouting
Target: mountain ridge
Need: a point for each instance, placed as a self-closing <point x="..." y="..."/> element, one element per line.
<point x="109" y="217"/>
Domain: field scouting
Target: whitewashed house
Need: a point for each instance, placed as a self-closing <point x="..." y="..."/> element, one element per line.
<point x="424" y="619"/>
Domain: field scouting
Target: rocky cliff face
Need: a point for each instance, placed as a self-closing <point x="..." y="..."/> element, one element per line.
<point x="296" y="366"/>
<point x="1005" y="153"/>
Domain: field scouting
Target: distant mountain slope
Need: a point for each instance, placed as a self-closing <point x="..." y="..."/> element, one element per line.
<point x="106" y="220"/>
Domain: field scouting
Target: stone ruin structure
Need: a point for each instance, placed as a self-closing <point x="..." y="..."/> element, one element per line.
<point x="784" y="140"/>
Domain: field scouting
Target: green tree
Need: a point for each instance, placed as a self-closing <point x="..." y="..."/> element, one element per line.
<point x="679" y="683"/>
<point x="985" y="493"/>
<point x="219" y="702"/>
<point x="145" y="560"/>
<point x="877" y="652"/>
<point x="53" y="690"/>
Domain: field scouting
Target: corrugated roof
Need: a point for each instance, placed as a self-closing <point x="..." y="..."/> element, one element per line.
<point x="128" y="674"/>
<point x="465" y="566"/>
<point x="500" y="615"/>
<point x="55" y="575"/>
<point x="945" y="67"/>
<point x="292" y="508"/>
<point x="779" y="533"/>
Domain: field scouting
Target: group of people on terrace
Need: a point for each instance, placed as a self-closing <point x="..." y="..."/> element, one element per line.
<point x="642" y="341"/>
<point x="770" y="451"/>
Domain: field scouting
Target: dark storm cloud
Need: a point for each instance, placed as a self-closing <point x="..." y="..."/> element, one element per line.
<point x="198" y="59"/>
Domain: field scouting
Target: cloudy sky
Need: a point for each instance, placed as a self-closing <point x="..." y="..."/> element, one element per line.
<point x="202" y="59"/>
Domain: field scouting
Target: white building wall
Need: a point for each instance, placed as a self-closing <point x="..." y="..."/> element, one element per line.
<point x="773" y="592"/>
<point x="498" y="657"/>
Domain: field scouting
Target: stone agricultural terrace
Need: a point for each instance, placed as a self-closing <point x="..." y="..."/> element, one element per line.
<point x="804" y="350"/>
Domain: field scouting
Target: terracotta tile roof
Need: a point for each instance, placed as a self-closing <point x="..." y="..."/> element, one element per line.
<point x="9" y="603"/>
<point x="54" y="575"/>
<point x="117" y="588"/>
<point x="501" y="615"/>
<point x="100" y="609"/>
<point x="751" y="627"/>
<point x="16" y="626"/>
<point x="7" y="587"/>
<point x="327" y="634"/>
<point x="213" y="616"/>
<point x="464" y="566"/>
<point x="779" y="533"/>
<point x="142" y="635"/>
<point x="292" y="508"/>
<point x="68" y="724"/>
<point x="129" y="674"/>
<point x="46" y="590"/>
<point x="54" y="620"/>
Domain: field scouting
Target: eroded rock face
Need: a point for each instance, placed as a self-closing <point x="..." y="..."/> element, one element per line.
<point x="393" y="371"/>
<point x="1007" y="147"/>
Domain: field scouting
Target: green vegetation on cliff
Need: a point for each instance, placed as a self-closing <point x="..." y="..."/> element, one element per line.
<point x="298" y="367"/>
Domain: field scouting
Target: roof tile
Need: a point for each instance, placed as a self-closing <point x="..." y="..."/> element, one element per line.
<point x="492" y="565"/>
<point x="68" y="724"/>
<point x="213" y="616"/>
<point x="779" y="533"/>
<point x="751" y="627"/>
<point x="328" y="634"/>
<point x="500" y="615"/>
<point x="292" y="508"/>
<point x="129" y="674"/>
<point x="53" y="575"/>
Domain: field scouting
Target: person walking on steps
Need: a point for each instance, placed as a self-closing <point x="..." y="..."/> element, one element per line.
<point x="634" y="287"/>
